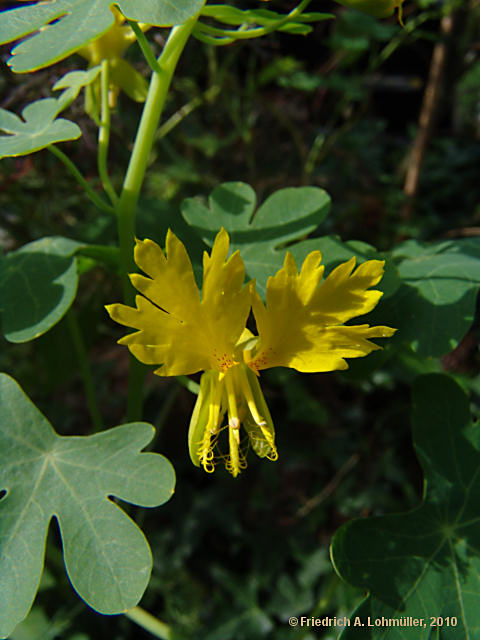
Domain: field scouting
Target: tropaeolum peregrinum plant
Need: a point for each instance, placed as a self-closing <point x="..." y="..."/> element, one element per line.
<point x="305" y="322"/>
<point x="302" y="326"/>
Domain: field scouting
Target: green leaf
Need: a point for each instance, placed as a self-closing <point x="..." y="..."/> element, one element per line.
<point x="435" y="306"/>
<point x="39" y="128"/>
<point x="45" y="475"/>
<point x="425" y="562"/>
<point x="285" y="217"/>
<point x="161" y="13"/>
<point x="38" y="283"/>
<point x="74" y="23"/>
<point x="73" y="82"/>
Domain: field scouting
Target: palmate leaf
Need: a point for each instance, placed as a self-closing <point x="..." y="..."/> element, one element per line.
<point x="74" y="23"/>
<point x="39" y="128"/>
<point x="45" y="475"/>
<point x="425" y="563"/>
<point x="287" y="215"/>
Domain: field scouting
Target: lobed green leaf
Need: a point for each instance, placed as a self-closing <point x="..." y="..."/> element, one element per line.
<point x="64" y="26"/>
<point x="44" y="475"/>
<point x="285" y="217"/>
<point x="39" y="128"/>
<point x="424" y="563"/>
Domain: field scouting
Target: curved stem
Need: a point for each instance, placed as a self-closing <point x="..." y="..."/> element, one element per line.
<point x="94" y="197"/>
<point x="227" y="36"/>
<point x="149" y="623"/>
<point x="152" y="111"/>
<point x="84" y="366"/>
<point x="104" y="134"/>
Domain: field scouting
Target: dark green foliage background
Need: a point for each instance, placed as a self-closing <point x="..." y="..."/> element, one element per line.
<point x="234" y="560"/>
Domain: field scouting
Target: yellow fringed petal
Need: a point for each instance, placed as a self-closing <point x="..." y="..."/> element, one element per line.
<point x="331" y="345"/>
<point x="345" y="293"/>
<point x="301" y="325"/>
<point x="176" y="328"/>
<point x="225" y="301"/>
<point x="171" y="284"/>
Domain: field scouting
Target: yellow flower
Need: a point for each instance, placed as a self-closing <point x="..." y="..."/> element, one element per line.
<point x="300" y="326"/>
<point x="111" y="46"/>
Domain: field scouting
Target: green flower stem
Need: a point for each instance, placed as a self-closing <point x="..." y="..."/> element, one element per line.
<point x="136" y="379"/>
<point x="149" y="623"/>
<point x="104" y="134"/>
<point x="94" y="197"/>
<point x="144" y="46"/>
<point x="192" y="386"/>
<point x="126" y="208"/>
<point x="157" y="93"/>
<point x="84" y="365"/>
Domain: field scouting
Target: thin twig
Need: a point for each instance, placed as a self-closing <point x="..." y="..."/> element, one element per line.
<point x="427" y="114"/>
<point x="99" y="202"/>
<point x="329" y="488"/>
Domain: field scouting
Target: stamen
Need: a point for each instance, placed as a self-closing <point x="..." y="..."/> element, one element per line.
<point x="231" y="399"/>
<point x="247" y="392"/>
<point x="210" y="436"/>
<point x="236" y="460"/>
<point x="205" y="451"/>
<point x="233" y="464"/>
<point x="259" y="420"/>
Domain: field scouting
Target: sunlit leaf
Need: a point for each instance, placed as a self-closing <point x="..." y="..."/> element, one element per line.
<point x="45" y="475"/>
<point x="73" y="82"/>
<point x="66" y="25"/>
<point x="39" y="128"/>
